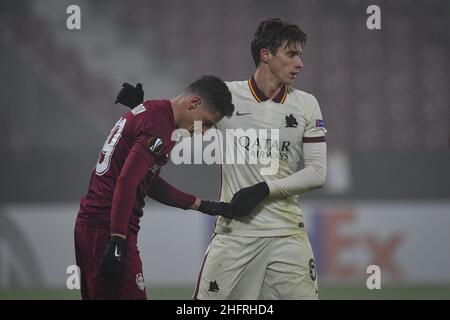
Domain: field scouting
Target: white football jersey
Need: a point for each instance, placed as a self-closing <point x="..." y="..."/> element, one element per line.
<point x="297" y="116"/>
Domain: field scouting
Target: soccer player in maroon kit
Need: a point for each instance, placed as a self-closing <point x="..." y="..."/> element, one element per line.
<point x="128" y="170"/>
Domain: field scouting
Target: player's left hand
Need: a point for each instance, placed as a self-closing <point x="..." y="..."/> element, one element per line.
<point x="111" y="265"/>
<point x="130" y="96"/>
<point x="246" y="199"/>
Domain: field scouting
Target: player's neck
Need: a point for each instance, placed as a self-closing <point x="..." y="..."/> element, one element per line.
<point x="177" y="108"/>
<point x="267" y="82"/>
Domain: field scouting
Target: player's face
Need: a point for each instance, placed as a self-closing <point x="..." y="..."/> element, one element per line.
<point x="286" y="63"/>
<point x="197" y="112"/>
<point x="208" y="119"/>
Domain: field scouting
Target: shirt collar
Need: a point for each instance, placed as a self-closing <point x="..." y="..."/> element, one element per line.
<point x="261" y="97"/>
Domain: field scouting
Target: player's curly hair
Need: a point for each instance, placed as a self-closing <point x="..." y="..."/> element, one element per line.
<point x="271" y="33"/>
<point x="215" y="93"/>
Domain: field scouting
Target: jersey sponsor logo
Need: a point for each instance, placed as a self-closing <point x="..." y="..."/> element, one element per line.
<point x="242" y="113"/>
<point x="140" y="281"/>
<point x="291" y="122"/>
<point x="265" y="148"/>
<point x="320" y="123"/>
<point x="155" y="145"/>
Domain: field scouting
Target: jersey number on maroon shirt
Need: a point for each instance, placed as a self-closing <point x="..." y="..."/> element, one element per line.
<point x="108" y="148"/>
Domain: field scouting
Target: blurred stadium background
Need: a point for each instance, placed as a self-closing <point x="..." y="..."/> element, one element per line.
<point x="384" y="95"/>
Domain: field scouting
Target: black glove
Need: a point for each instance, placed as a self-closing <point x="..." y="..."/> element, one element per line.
<point x="246" y="199"/>
<point x="216" y="209"/>
<point x="130" y="96"/>
<point x="111" y="265"/>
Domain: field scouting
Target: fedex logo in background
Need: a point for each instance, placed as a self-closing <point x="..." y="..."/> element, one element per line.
<point x="344" y="247"/>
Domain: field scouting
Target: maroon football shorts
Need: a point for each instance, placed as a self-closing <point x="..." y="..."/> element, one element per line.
<point x="90" y="245"/>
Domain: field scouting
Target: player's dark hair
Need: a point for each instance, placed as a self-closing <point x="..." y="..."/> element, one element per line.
<point x="271" y="33"/>
<point x="215" y="93"/>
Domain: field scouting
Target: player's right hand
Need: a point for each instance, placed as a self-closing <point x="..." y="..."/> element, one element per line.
<point x="130" y="96"/>
<point x="246" y="199"/>
<point x="111" y="265"/>
<point x="213" y="208"/>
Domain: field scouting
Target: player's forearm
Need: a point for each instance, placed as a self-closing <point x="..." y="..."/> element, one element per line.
<point x="167" y="194"/>
<point x="122" y="206"/>
<point x="164" y="192"/>
<point x="312" y="176"/>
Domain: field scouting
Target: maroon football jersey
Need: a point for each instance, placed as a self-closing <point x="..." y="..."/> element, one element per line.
<point x="145" y="130"/>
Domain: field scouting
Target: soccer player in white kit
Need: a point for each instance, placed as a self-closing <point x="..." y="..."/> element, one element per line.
<point x="267" y="254"/>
